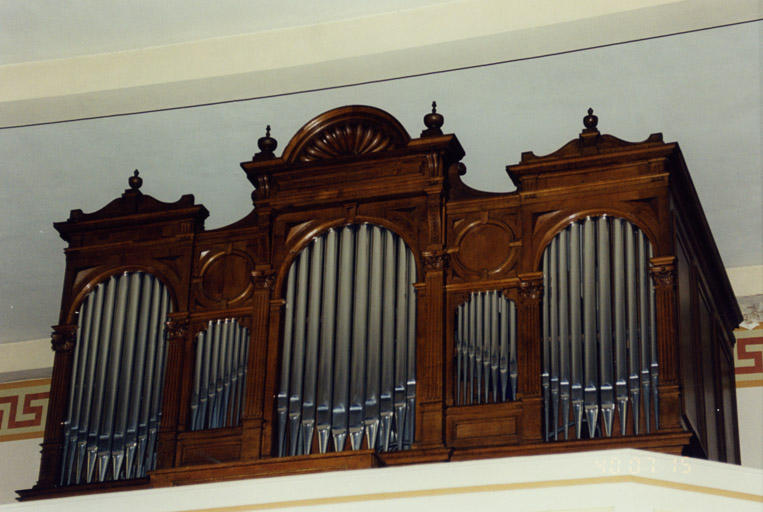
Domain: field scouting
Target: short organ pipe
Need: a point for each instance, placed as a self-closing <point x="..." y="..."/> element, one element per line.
<point x="487" y="322"/>
<point x="222" y="352"/>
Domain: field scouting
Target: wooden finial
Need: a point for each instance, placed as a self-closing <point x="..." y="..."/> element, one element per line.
<point x="590" y="121"/>
<point x="267" y="145"/>
<point x="433" y="122"/>
<point x="135" y="181"/>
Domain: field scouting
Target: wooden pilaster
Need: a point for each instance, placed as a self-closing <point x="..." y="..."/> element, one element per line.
<point x="177" y="334"/>
<point x="63" y="340"/>
<point x="429" y="363"/>
<point x="253" y="416"/>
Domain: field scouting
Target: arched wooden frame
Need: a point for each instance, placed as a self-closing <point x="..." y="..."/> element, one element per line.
<point x="98" y="276"/>
<point x="315" y="229"/>
<point x="562" y="220"/>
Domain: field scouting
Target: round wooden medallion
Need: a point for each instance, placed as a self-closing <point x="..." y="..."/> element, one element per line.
<point x="226" y="276"/>
<point x="486" y="247"/>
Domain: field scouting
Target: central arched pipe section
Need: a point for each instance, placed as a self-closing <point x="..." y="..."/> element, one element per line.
<point x="348" y="367"/>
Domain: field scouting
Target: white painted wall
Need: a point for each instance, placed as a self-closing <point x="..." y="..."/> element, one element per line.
<point x="750" y="407"/>
<point x="604" y="481"/>
<point x="19" y="466"/>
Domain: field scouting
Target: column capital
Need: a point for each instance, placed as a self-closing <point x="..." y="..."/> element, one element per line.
<point x="435" y="260"/>
<point x="663" y="270"/>
<point x="177" y="328"/>
<point x="531" y="286"/>
<point x="63" y="338"/>
<point x="263" y="279"/>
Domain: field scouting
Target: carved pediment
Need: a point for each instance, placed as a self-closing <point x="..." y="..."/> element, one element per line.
<point x="346" y="132"/>
<point x="132" y="202"/>
<point x="591" y="142"/>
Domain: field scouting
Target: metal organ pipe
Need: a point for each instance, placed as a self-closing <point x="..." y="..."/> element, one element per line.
<point x="486" y="322"/>
<point x="599" y="324"/>
<point x="219" y="375"/>
<point x="328" y="331"/>
<point x="117" y="378"/>
<point x="351" y="291"/>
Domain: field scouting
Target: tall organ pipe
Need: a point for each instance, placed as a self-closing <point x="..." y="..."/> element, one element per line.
<point x="373" y="352"/>
<point x="599" y="322"/>
<point x="328" y="332"/>
<point x="486" y="320"/>
<point x="282" y="399"/>
<point x="358" y="280"/>
<point x="117" y="374"/>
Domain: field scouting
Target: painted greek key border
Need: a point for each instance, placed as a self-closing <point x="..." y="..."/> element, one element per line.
<point x="748" y="358"/>
<point x="23" y="408"/>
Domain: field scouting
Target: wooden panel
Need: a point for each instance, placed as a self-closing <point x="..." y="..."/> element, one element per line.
<point x="209" y="446"/>
<point x="708" y="371"/>
<point x="267" y="467"/>
<point x="686" y="336"/>
<point x="483" y="425"/>
<point x="728" y="395"/>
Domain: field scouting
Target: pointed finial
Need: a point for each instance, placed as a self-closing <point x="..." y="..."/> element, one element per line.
<point x="135" y="181"/>
<point x="590" y="121"/>
<point x="433" y="122"/>
<point x="267" y="145"/>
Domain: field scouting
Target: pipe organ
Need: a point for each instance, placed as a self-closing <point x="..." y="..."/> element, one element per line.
<point x="373" y="310"/>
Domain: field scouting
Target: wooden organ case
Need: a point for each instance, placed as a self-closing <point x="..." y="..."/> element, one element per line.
<point x="374" y="310"/>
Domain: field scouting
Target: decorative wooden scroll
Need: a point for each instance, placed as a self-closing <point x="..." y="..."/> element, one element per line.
<point x="374" y="310"/>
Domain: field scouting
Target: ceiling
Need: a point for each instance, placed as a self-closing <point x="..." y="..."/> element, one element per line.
<point x="182" y="90"/>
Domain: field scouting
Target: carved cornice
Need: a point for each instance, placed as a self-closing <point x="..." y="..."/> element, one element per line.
<point x="435" y="261"/>
<point x="63" y="338"/>
<point x="133" y="202"/>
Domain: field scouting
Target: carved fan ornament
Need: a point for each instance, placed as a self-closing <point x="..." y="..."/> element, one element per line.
<point x="357" y="130"/>
<point x="348" y="139"/>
